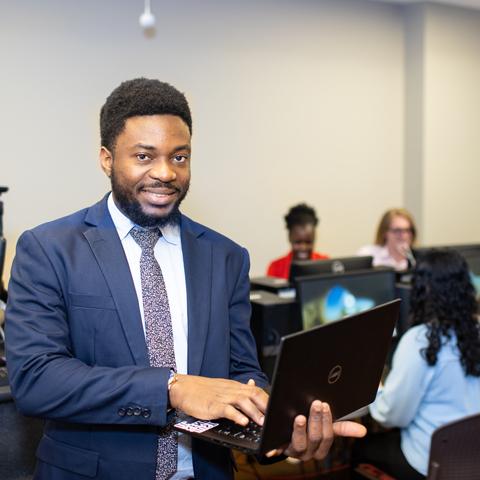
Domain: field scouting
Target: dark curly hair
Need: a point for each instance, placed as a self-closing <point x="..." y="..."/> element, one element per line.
<point x="140" y="96"/>
<point x="301" y="214"/>
<point x="443" y="298"/>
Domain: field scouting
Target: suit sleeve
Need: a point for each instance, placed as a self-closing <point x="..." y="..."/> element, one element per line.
<point x="243" y="361"/>
<point x="46" y="379"/>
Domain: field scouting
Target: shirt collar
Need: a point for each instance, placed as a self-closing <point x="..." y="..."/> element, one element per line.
<point x="384" y="253"/>
<point x="171" y="233"/>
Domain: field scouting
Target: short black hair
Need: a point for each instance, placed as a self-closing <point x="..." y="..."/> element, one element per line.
<point x="301" y="214"/>
<point x="140" y="96"/>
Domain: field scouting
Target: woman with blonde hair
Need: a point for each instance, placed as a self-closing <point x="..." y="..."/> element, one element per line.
<point x="396" y="234"/>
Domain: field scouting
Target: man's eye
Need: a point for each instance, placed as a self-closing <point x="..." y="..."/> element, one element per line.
<point x="180" y="158"/>
<point x="142" y="157"/>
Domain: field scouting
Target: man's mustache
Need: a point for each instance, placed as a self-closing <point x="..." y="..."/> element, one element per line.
<point x="159" y="184"/>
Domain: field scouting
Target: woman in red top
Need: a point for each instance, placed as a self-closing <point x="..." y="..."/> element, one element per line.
<point x="301" y="221"/>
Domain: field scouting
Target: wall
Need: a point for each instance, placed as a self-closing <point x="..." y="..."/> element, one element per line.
<point x="414" y="170"/>
<point x="293" y="100"/>
<point x="452" y="111"/>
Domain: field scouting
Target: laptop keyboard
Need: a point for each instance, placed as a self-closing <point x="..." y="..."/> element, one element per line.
<point x="251" y="432"/>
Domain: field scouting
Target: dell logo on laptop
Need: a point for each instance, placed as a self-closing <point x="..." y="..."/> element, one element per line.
<point x="335" y="374"/>
<point x="338" y="267"/>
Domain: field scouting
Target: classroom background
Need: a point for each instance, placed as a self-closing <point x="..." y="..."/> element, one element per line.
<point x="353" y="106"/>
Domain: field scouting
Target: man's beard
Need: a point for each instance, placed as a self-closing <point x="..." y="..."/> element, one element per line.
<point x="132" y="208"/>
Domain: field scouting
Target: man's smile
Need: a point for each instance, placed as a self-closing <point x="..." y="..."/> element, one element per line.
<point x="159" y="196"/>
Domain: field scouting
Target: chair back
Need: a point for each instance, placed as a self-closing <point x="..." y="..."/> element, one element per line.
<point x="455" y="450"/>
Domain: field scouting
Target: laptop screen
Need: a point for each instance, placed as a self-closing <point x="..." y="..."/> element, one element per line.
<point x="327" y="298"/>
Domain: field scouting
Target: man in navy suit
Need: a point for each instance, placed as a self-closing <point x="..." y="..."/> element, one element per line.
<point x="76" y="329"/>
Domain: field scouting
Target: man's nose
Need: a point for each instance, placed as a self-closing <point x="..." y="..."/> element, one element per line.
<point x="162" y="170"/>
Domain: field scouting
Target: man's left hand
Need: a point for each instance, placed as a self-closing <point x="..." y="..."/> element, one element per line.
<point x="313" y="437"/>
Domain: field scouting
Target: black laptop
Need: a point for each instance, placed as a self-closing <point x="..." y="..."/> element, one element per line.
<point x="340" y="363"/>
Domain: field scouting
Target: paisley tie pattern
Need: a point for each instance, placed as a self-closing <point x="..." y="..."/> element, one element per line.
<point x="158" y="334"/>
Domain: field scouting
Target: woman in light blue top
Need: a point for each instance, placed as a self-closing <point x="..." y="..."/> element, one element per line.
<point x="435" y="375"/>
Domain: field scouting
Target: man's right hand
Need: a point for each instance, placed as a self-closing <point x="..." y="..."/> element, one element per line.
<point x="211" y="398"/>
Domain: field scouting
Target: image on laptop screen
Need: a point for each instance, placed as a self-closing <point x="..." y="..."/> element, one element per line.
<point x="327" y="298"/>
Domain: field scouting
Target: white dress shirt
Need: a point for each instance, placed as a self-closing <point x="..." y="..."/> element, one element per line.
<point x="168" y="252"/>
<point x="381" y="257"/>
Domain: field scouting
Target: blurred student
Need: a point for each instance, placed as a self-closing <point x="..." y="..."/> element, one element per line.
<point x="396" y="234"/>
<point x="435" y="375"/>
<point x="301" y="221"/>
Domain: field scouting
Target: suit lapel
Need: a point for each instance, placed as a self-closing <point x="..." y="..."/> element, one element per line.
<point x="107" y="248"/>
<point x="197" y="258"/>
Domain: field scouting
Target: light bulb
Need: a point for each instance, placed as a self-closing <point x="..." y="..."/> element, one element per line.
<point x="147" y="19"/>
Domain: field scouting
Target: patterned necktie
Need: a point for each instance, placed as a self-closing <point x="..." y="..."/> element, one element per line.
<point x="158" y="334"/>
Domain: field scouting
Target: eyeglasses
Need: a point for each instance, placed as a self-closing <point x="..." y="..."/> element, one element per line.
<point x="400" y="231"/>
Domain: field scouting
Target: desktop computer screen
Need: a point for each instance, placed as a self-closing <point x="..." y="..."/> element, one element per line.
<point x="473" y="261"/>
<point x="331" y="297"/>
<point x="471" y="253"/>
<point x="466" y="249"/>
<point x="303" y="268"/>
<point x="3" y="246"/>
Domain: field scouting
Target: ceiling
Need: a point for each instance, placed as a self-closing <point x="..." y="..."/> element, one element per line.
<point x="459" y="3"/>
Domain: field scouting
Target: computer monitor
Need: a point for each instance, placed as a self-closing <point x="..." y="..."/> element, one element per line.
<point x="471" y="253"/>
<point x="463" y="249"/>
<point x="473" y="261"/>
<point x="325" y="298"/>
<point x="304" y="268"/>
<point x="3" y="247"/>
<point x="403" y="291"/>
<point x="466" y="249"/>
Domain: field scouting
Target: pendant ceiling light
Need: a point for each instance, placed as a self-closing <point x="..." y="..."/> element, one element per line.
<point x="147" y="18"/>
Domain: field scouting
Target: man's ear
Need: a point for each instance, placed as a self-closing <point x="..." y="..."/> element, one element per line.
<point x="106" y="161"/>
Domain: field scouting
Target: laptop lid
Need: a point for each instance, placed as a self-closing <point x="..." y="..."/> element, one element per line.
<point x="340" y="363"/>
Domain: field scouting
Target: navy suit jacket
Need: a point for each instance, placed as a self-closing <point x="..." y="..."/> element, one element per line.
<point x="77" y="355"/>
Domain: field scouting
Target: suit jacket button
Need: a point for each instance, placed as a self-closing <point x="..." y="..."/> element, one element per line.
<point x="146" y="413"/>
<point x="121" y="411"/>
<point x="137" y="411"/>
<point x="129" y="411"/>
